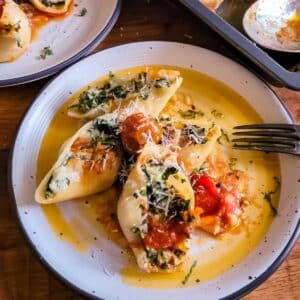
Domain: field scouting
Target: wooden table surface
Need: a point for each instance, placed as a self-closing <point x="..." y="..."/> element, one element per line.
<point x="22" y="276"/>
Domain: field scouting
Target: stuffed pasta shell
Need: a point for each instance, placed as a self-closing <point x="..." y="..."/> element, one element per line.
<point x="15" y="31"/>
<point x="89" y="163"/>
<point x="154" y="210"/>
<point x="193" y="140"/>
<point x="192" y="155"/>
<point x="55" y="7"/>
<point x="149" y="91"/>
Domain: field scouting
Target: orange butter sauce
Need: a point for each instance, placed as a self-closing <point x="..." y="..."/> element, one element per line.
<point x="97" y="214"/>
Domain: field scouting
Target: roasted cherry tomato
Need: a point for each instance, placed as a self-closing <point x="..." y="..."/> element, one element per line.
<point x="206" y="201"/>
<point x="206" y="193"/>
<point x="206" y="182"/>
<point x="166" y="235"/>
<point x="137" y="130"/>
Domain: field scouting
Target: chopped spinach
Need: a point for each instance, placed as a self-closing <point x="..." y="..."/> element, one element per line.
<point x="111" y="90"/>
<point x="164" y="266"/>
<point x="169" y="171"/>
<point x="93" y="97"/>
<point x="178" y="252"/>
<point x="48" y="192"/>
<point x="152" y="255"/>
<point x="161" y="199"/>
<point x="111" y="129"/>
<point x="161" y="83"/>
<point x="50" y="3"/>
<point x="126" y="166"/>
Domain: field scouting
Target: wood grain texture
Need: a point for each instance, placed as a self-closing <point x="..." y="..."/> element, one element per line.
<point x="22" y="276"/>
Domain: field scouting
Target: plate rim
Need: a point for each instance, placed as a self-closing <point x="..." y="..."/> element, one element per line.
<point x="233" y="296"/>
<point x="70" y="61"/>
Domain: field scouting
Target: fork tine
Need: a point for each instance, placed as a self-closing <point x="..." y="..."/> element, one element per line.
<point x="270" y="140"/>
<point x="289" y="127"/>
<point x="264" y="148"/>
<point x="269" y="133"/>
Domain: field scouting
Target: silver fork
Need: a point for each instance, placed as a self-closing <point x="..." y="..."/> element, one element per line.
<point x="280" y="138"/>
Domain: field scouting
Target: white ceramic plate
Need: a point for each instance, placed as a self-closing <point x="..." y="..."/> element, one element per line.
<point x="265" y="34"/>
<point x="87" y="275"/>
<point x="70" y="39"/>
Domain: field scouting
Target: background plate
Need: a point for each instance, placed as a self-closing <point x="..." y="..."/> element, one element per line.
<point x="70" y="39"/>
<point x="89" y="275"/>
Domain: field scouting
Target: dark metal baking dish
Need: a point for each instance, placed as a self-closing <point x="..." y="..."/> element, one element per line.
<point x="276" y="66"/>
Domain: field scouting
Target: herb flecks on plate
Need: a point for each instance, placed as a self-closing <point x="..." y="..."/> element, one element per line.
<point x="82" y="12"/>
<point x="46" y="51"/>
<point x="268" y="195"/>
<point x="217" y="114"/>
<point x="188" y="275"/>
<point x="190" y="113"/>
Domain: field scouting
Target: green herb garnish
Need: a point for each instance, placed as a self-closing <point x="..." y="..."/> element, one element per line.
<point x="161" y="199"/>
<point x="169" y="171"/>
<point x="163" y="118"/>
<point x="194" y="133"/>
<point x="161" y="83"/>
<point x="48" y="192"/>
<point x="93" y="97"/>
<point x="50" y="3"/>
<point x="224" y="136"/>
<point x="109" y="132"/>
<point x="187" y="276"/>
<point x="112" y="90"/>
<point x="200" y="170"/>
<point x="135" y="229"/>
<point x="217" y="114"/>
<point x="232" y="163"/>
<point x="152" y="256"/>
<point x="190" y="113"/>
<point x="178" y="252"/>
<point x="9" y="27"/>
<point x="46" y="51"/>
<point x="268" y="195"/>
<point x="18" y="41"/>
<point x="82" y="12"/>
